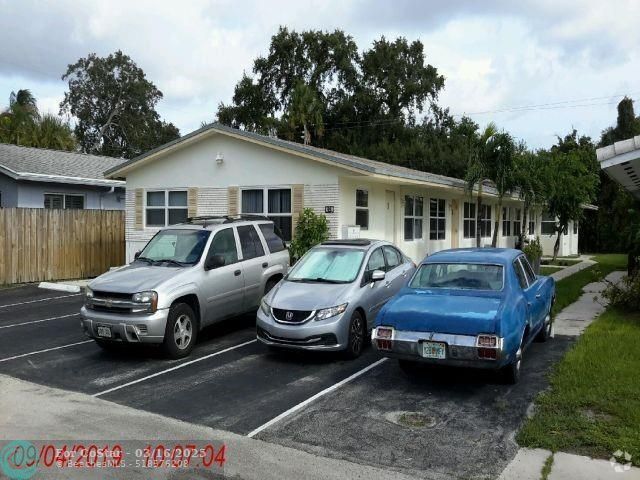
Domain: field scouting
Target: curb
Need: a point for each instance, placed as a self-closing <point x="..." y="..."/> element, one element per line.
<point x="61" y="287"/>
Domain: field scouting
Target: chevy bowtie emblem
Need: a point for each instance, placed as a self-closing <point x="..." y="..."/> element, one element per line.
<point x="289" y="316"/>
<point x="108" y="303"/>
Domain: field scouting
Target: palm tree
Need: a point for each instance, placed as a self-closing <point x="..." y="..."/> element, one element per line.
<point x="501" y="158"/>
<point x="479" y="170"/>
<point x="529" y="182"/>
<point x="306" y="110"/>
<point x="19" y="119"/>
<point x="53" y="132"/>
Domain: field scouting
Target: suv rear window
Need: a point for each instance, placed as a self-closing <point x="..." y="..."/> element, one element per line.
<point x="273" y="237"/>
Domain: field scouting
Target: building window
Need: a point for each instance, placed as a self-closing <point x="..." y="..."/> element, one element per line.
<point x="166" y="207"/>
<point x="362" y="209"/>
<point x="517" y="222"/>
<point x="506" y="222"/>
<point x="63" y="201"/>
<point x="485" y="220"/>
<point x="575" y="225"/>
<point x="548" y="224"/>
<point x="469" y="220"/>
<point x="273" y="203"/>
<point x="437" y="219"/>
<point x="413" y="213"/>
<point x="532" y="223"/>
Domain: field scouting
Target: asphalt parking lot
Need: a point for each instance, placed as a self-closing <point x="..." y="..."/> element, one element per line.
<point x="465" y="429"/>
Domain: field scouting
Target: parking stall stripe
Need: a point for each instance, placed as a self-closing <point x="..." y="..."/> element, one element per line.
<point x="309" y="400"/>
<point x="43" y="351"/>
<point x="190" y="362"/>
<point x="39" y="300"/>
<point x="39" y="321"/>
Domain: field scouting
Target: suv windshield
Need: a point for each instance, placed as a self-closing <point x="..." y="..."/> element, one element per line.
<point x="327" y="265"/>
<point x="182" y="247"/>
<point x="472" y="276"/>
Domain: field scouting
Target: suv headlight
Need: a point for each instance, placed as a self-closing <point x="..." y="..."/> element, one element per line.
<point x="88" y="297"/>
<point x="331" y="311"/>
<point x="147" y="300"/>
<point x="265" y="307"/>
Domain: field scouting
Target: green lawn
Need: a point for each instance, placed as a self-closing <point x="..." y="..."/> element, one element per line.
<point x="561" y="262"/>
<point x="593" y="405"/>
<point x="569" y="289"/>
<point x="549" y="269"/>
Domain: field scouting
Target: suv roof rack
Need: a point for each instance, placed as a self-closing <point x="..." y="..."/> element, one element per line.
<point x="209" y="219"/>
<point x="360" y="242"/>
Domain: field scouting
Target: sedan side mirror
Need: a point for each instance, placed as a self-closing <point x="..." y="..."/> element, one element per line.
<point x="214" y="261"/>
<point x="136" y="255"/>
<point x="377" y="275"/>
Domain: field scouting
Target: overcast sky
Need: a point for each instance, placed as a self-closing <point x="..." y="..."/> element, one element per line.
<point x="572" y="59"/>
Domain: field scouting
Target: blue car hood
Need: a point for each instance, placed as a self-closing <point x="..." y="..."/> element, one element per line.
<point x="442" y="312"/>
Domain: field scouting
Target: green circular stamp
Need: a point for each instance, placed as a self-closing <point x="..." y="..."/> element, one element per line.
<point x="19" y="460"/>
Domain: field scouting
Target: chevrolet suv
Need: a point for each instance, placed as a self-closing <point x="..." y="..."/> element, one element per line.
<point x="187" y="277"/>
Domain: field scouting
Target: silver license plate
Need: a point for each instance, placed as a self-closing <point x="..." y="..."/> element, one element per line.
<point x="436" y="350"/>
<point x="104" y="331"/>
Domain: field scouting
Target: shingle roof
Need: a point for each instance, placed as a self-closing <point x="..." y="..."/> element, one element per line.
<point x="365" y="164"/>
<point x="41" y="164"/>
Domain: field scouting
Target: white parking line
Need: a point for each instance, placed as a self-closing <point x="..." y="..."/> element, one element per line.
<point x="301" y="405"/>
<point x="43" y="351"/>
<point x="190" y="362"/>
<point x="39" y="321"/>
<point x="40" y="300"/>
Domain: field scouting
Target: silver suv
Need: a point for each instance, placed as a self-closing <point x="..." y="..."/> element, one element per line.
<point x="187" y="277"/>
<point x="330" y="298"/>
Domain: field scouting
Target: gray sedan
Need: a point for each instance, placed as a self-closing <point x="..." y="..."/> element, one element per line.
<point x="330" y="298"/>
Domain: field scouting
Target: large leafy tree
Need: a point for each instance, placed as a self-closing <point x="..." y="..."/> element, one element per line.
<point x="114" y="105"/>
<point x="570" y="184"/>
<point x="530" y="185"/>
<point x="22" y="124"/>
<point x="502" y="152"/>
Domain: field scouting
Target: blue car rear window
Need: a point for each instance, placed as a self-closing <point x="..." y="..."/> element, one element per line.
<point x="471" y="276"/>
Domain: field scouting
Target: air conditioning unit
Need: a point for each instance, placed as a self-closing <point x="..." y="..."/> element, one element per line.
<point x="350" y="232"/>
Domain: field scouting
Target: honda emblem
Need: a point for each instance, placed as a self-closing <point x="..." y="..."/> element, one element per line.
<point x="289" y="316"/>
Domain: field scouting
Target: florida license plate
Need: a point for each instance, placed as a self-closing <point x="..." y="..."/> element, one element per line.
<point x="104" y="331"/>
<point x="434" y="350"/>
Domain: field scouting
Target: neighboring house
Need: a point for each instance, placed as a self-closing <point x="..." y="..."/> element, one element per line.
<point x="41" y="178"/>
<point x="621" y="161"/>
<point x="217" y="170"/>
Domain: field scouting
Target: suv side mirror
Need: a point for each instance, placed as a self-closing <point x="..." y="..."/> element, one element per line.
<point x="136" y="255"/>
<point x="377" y="275"/>
<point x="214" y="261"/>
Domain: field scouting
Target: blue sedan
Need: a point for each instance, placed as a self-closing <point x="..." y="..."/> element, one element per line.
<point x="468" y="307"/>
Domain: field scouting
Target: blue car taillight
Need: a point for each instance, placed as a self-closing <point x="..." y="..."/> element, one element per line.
<point x="384" y="338"/>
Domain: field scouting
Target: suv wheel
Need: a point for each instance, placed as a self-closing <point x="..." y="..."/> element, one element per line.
<point x="181" y="331"/>
<point x="272" y="282"/>
<point x="357" y="333"/>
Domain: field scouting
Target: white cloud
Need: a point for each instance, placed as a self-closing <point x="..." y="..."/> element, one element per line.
<point x="493" y="54"/>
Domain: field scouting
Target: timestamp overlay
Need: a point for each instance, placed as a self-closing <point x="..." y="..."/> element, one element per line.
<point x="23" y="459"/>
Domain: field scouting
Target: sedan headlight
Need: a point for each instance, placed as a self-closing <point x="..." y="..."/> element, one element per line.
<point x="331" y="311"/>
<point x="148" y="300"/>
<point x="265" y="307"/>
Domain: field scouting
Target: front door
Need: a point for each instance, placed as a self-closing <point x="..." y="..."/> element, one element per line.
<point x="223" y="287"/>
<point x="390" y="216"/>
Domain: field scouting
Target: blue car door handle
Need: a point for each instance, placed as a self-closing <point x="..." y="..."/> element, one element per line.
<point x="538" y="295"/>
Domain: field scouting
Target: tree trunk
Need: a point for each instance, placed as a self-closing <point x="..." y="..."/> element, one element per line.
<point x="478" y="217"/>
<point x="556" y="247"/>
<point x="307" y="135"/>
<point x="524" y="228"/>
<point x="494" y="240"/>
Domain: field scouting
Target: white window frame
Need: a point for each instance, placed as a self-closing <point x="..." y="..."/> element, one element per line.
<point x="414" y="218"/>
<point x="438" y="217"/>
<point x="165" y="207"/>
<point x="517" y="221"/>
<point x="543" y="222"/>
<point x="485" y="207"/>
<point x="265" y="202"/>
<point x="64" y="199"/>
<point x="469" y="219"/>
<point x="364" y="209"/>
<point x="506" y="221"/>
<point x="533" y="218"/>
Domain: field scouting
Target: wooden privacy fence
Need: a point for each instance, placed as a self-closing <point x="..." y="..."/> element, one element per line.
<point x="38" y="244"/>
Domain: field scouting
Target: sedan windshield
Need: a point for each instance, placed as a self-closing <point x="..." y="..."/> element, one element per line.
<point x="472" y="276"/>
<point x="175" y="247"/>
<point x="327" y="265"/>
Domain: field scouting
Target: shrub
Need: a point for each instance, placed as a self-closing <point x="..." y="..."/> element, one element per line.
<point x="625" y="294"/>
<point x="311" y="230"/>
<point x="533" y="251"/>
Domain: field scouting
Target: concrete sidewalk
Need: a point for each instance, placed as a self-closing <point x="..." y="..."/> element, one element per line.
<point x="528" y="463"/>
<point x="33" y="412"/>
<point x="568" y="271"/>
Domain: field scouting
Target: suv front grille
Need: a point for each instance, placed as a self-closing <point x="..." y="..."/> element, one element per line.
<point x="112" y="302"/>
<point x="291" y="316"/>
